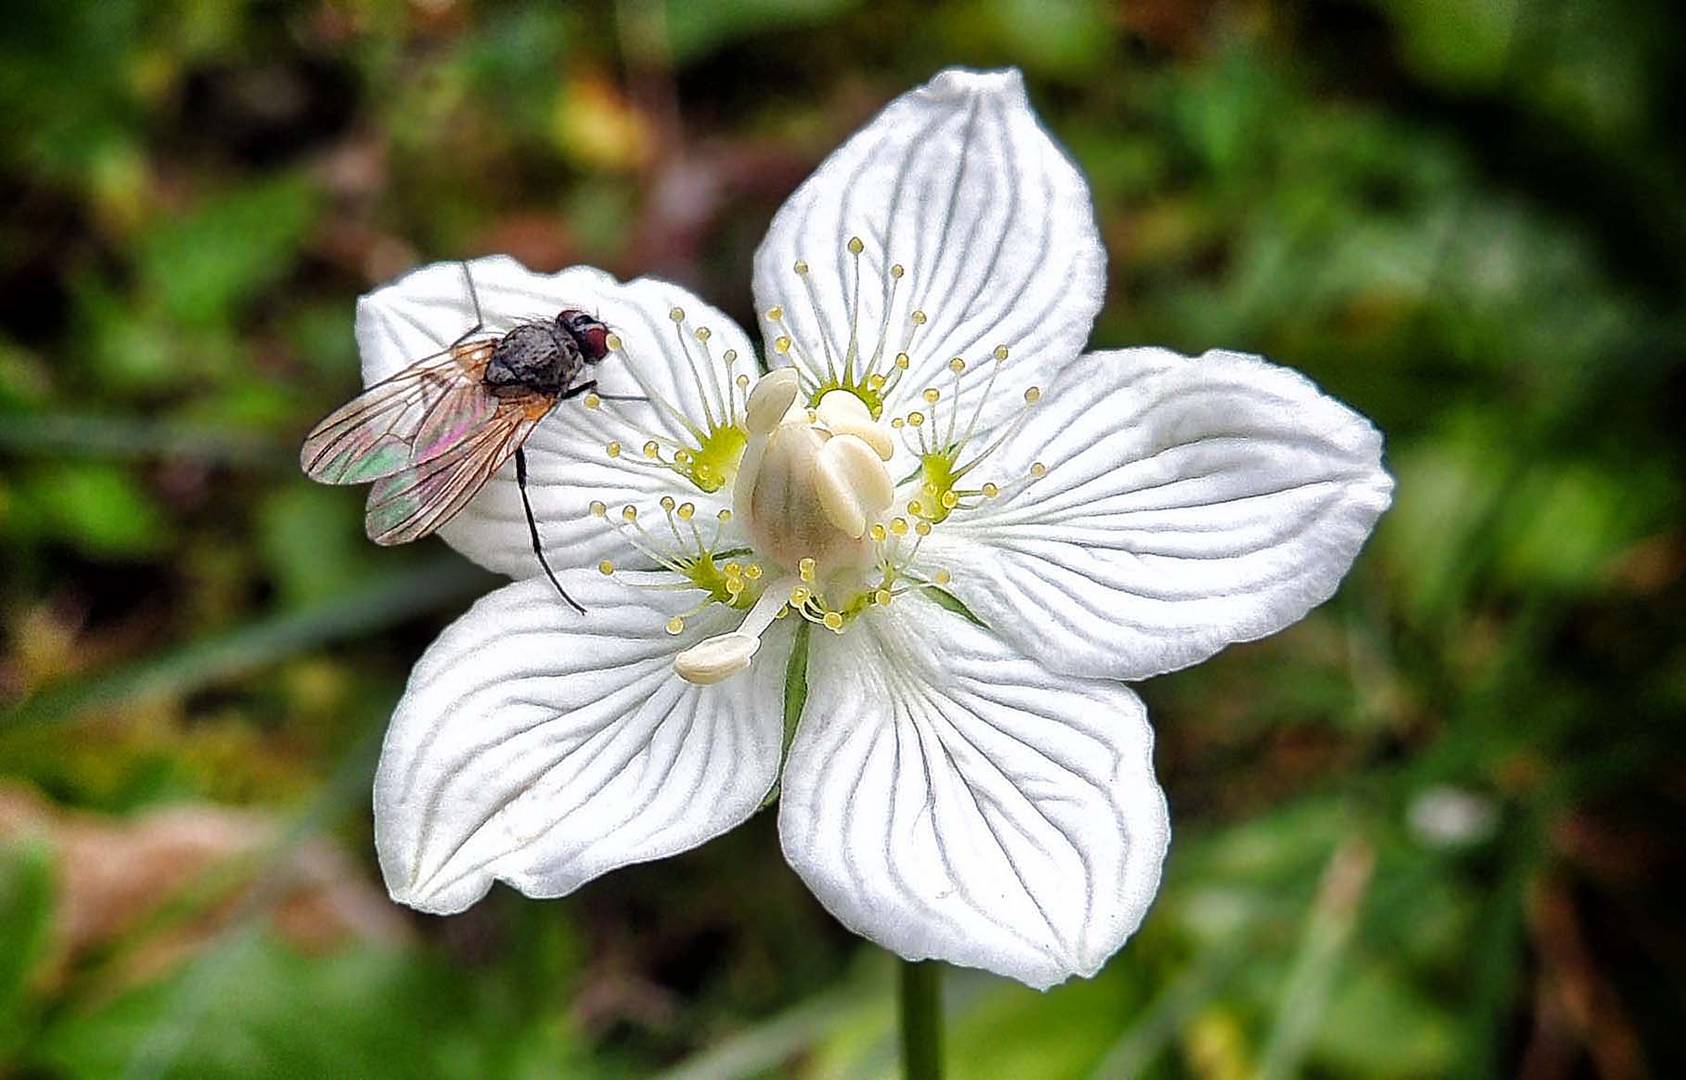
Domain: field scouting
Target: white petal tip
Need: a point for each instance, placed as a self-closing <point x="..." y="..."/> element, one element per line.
<point x="962" y="82"/>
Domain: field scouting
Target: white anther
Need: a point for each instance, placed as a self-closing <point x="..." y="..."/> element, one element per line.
<point x="769" y="399"/>
<point x="844" y="413"/>
<point x="852" y="483"/>
<point x="717" y="658"/>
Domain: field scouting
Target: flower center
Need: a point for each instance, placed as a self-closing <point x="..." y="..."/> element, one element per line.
<point x="812" y="479"/>
<point x="805" y="456"/>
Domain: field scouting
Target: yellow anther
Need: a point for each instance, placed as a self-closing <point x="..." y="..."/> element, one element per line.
<point x="878" y="533"/>
<point x="916" y="418"/>
<point x="899" y="526"/>
<point x="668" y="504"/>
<point x="629" y="513"/>
<point x="677" y="314"/>
<point x="734" y="586"/>
<point x="613" y="449"/>
<point x="875" y="381"/>
<point x="881" y="597"/>
<point x="800" y="266"/>
<point x="896" y="421"/>
<point x="855" y="245"/>
<point x="781" y="613"/>
<point x="916" y="508"/>
<point x="724" y="516"/>
<point x="918" y="317"/>
<point x="1000" y="352"/>
<point x="902" y="360"/>
<point x="733" y="569"/>
<point x="605" y="568"/>
<point x="676" y="625"/>
<point x="742" y="381"/>
<point x="704" y="333"/>
<point x="923" y="528"/>
<point x="833" y="620"/>
<point x="1038" y="470"/>
<point x="652" y="449"/>
<point x="781" y="344"/>
<point x="613" y="342"/>
<point x="592" y="401"/>
<point x="681" y="456"/>
<point x="941" y="577"/>
<point x="1032" y="395"/>
<point x="598" y="508"/>
<point x="775" y="313"/>
<point x="931" y="395"/>
<point x="753" y="571"/>
<point x="957" y="365"/>
<point x="730" y="356"/>
<point x="896" y="270"/>
<point x="991" y="491"/>
<point x="806" y="569"/>
<point x="798" y="596"/>
<point x="950" y="500"/>
<point x="686" y="510"/>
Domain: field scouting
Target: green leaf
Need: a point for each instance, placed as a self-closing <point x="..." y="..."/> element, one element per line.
<point x="257" y="1008"/>
<point x="385" y="601"/>
<point x="26" y="907"/>
<point x="693" y="30"/>
<point x="100" y="507"/>
<point x="795" y="696"/>
<point x="204" y="264"/>
<point x="948" y="600"/>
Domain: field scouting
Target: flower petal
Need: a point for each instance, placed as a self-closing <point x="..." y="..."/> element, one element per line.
<point x="948" y="797"/>
<point x="542" y="748"/>
<point x="958" y="183"/>
<point x="1188" y="504"/>
<point x="685" y="379"/>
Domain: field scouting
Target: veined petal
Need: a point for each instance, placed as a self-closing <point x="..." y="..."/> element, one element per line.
<point x="1186" y="504"/>
<point x="949" y="797"/>
<point x="687" y="380"/>
<point x="957" y="184"/>
<point x="542" y="748"/>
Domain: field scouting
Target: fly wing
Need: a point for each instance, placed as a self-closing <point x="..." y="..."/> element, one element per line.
<point x="420" y="413"/>
<point x="412" y="503"/>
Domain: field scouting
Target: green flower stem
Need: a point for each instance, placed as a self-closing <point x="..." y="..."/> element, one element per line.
<point x="921" y="1019"/>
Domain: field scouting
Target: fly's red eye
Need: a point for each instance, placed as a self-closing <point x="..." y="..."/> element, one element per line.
<point x="592" y="335"/>
<point x="595" y="337"/>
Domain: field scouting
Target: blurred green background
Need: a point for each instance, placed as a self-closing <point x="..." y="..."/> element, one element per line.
<point x="1433" y="830"/>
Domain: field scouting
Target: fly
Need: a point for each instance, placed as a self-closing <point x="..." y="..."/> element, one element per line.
<point x="431" y="436"/>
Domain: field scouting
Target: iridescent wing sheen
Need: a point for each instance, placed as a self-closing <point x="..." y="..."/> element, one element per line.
<point x="410" y="504"/>
<point x="420" y="413"/>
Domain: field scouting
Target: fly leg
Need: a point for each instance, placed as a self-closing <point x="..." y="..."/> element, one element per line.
<point x="474" y="298"/>
<point x="591" y="384"/>
<point x="533" y="528"/>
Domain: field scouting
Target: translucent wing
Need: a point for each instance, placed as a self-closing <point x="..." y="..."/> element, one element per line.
<point x="420" y="413"/>
<point x="412" y="503"/>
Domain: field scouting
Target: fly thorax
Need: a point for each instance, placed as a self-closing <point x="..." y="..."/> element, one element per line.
<point x="534" y="356"/>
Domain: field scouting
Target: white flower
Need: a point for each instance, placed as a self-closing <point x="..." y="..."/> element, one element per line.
<point x="978" y="789"/>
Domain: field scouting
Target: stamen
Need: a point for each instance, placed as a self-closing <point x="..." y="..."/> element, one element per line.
<point x="707" y="458"/>
<point x="724" y="655"/>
